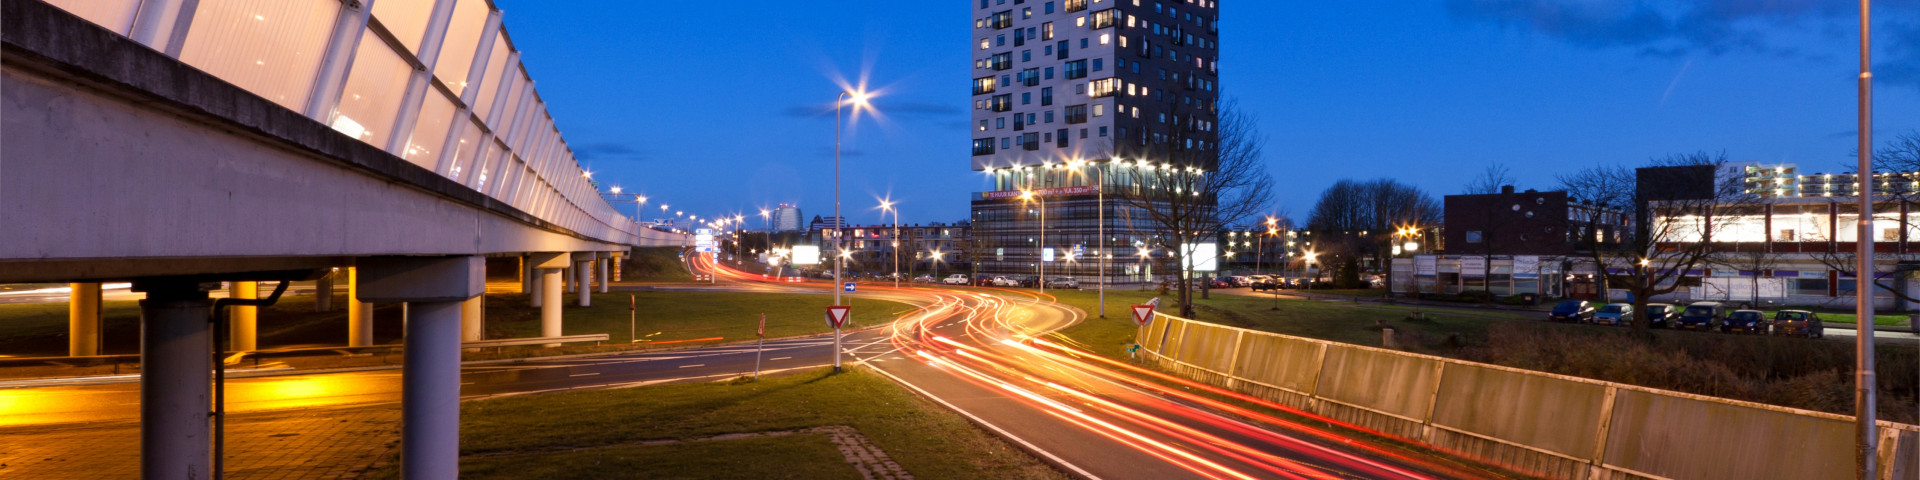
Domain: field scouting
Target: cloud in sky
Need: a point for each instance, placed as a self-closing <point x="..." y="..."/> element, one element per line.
<point x="1684" y="27"/>
<point x="609" y="151"/>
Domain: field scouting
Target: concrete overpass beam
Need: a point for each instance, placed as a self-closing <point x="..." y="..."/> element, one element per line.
<point x="83" y="320"/>
<point x="359" y="313"/>
<point x="243" y="324"/>
<point x="548" y="291"/>
<point x="434" y="288"/>
<point x="176" y="344"/>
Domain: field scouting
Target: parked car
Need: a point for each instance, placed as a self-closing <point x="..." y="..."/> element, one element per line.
<point x="1746" y="321"/>
<point x="1660" y="315"/>
<point x="1240" y="280"/>
<point x="1798" y="322"/>
<point x="1571" y="311"/>
<point x="955" y="279"/>
<point x="1264" y="282"/>
<point x="1704" y="316"/>
<point x="923" y="278"/>
<point x="1005" y="282"/>
<point x="1614" y="314"/>
<point x="1063" y="282"/>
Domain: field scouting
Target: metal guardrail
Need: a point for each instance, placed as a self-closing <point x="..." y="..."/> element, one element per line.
<point x="510" y="342"/>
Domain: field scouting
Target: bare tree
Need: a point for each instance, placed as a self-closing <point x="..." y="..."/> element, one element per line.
<point x="1899" y="161"/>
<point x="1753" y="257"/>
<point x="1354" y="220"/>
<point x="1193" y="177"/>
<point x="1490" y="181"/>
<point x="1673" y="235"/>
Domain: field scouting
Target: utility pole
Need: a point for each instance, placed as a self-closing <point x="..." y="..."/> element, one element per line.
<point x="1865" y="410"/>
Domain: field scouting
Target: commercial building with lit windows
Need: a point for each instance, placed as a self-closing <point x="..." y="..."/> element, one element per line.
<point x="1069" y="95"/>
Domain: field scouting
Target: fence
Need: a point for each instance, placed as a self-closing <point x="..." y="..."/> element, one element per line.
<point x="1553" y="426"/>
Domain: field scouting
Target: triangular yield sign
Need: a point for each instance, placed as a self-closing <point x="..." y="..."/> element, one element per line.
<point x="837" y="315"/>
<point x="1142" y="314"/>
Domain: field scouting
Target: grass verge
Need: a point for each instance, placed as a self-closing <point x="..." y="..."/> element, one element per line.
<point x="618" y="433"/>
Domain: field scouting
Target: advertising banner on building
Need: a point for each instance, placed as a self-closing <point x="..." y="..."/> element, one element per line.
<point x="1041" y="192"/>
<point x="1423" y="265"/>
<point x="1473" y="267"/>
<point x="1526" y="267"/>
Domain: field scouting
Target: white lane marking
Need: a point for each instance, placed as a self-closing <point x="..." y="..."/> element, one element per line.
<point x="778" y="358"/>
<point x="584" y="374"/>
<point x="996" y="429"/>
<point x="694" y="365"/>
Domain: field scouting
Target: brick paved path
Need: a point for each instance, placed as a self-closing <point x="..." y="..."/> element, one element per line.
<point x="321" y="443"/>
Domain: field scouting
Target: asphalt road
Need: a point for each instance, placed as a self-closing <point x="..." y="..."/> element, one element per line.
<point x="984" y="353"/>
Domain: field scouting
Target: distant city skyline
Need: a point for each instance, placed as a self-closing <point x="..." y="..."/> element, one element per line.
<point x="1428" y="94"/>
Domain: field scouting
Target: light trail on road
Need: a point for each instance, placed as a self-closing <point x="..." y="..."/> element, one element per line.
<point x="1004" y="341"/>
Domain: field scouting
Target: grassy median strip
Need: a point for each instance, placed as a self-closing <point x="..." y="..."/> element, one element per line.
<point x="705" y="430"/>
<point x="667" y="316"/>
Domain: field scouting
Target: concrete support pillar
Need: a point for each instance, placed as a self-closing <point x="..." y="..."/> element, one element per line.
<point x="550" y="305"/>
<point x="323" y="293"/>
<point x="583" y="285"/>
<point x="243" y="323"/>
<point x="536" y="284"/>
<point x="547" y="290"/>
<point x="176" y="342"/>
<point x="473" y="319"/>
<point x="359" y="313"/>
<point x="566" y="279"/>
<point x="526" y="275"/>
<point x="434" y="289"/>
<point x="83" y="320"/>
<point x="605" y="264"/>
<point x="617" y="257"/>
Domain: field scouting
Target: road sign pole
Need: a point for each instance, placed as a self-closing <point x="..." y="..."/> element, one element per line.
<point x="633" y="320"/>
<point x="760" y="346"/>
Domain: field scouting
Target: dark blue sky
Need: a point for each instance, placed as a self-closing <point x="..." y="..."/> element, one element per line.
<point x="714" y="106"/>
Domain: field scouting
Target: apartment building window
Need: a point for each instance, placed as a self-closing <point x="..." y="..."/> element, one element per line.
<point x="982" y="146"/>
<point x="1019" y="122"/>
<point x="1003" y="102"/>
<point x="1030" y="141"/>
<point x="1001" y="61"/>
<point x="982" y="85"/>
<point x="1103" y="131"/>
<point x="1030" y="77"/>
<point x="1061" y="137"/>
<point x="1105" y="18"/>
<point x="1076" y="5"/>
<point x="1046" y="30"/>
<point x="1046" y="96"/>
<point x="1061" y="49"/>
<point x="1048" y="117"/>
<point x="1026" y="56"/>
<point x="1076" y="114"/>
<point x="1096" y="64"/>
<point x="1000" y="123"/>
<point x="1001" y="19"/>
<point x="1019" y="37"/>
<point x="1099" y="110"/>
<point x="1083" y="133"/>
<point x="983" y="125"/>
<point x="1006" y="143"/>
<point x="1049" y="73"/>
<point x="1077" y="69"/>
<point x="1026" y="98"/>
<point x="1104" y="87"/>
<point x="1026" y="13"/>
<point x="986" y="43"/>
<point x="1049" y="7"/>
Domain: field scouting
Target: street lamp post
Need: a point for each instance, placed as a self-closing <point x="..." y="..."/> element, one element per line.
<point x="1041" y="252"/>
<point x="887" y="206"/>
<point x="839" y="237"/>
<point x="1865" y="411"/>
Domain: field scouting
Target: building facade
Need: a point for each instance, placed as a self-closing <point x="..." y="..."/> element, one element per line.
<point x="1073" y="95"/>
<point x="785" y="217"/>
<point x="872" y="248"/>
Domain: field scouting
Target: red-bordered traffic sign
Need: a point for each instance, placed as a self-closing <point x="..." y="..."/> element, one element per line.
<point x="837" y="315"/>
<point x="1142" y="314"/>
<point x="762" y="332"/>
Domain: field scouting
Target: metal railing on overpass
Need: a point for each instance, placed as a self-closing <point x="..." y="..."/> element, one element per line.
<point x="435" y="82"/>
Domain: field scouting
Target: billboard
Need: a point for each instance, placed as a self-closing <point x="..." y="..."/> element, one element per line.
<point x="806" y="254"/>
<point x="1425" y="265"/>
<point x="1526" y="267"/>
<point x="1202" y="257"/>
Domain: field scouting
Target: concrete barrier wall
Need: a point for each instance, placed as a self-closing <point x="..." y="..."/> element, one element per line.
<point x="1552" y="426"/>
